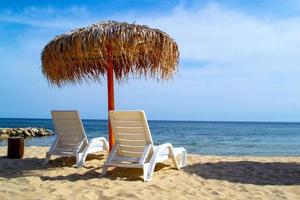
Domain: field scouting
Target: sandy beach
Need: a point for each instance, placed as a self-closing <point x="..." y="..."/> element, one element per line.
<point x="206" y="177"/>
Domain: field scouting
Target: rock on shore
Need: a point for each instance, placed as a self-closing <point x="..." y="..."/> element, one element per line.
<point x="24" y="132"/>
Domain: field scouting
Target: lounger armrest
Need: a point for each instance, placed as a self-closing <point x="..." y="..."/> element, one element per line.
<point x="160" y="148"/>
<point x="155" y="157"/>
<point x="165" y="145"/>
<point x="97" y="140"/>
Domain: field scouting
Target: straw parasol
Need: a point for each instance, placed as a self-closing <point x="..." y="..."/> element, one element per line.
<point x="109" y="49"/>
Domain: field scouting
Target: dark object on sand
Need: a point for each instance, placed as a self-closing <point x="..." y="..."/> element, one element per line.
<point x="15" y="147"/>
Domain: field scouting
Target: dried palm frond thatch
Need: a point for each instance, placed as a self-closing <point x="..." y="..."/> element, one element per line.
<point x="82" y="54"/>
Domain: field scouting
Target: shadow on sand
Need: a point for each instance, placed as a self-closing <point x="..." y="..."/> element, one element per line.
<point x="245" y="172"/>
<point x="13" y="168"/>
<point x="249" y="172"/>
<point x="125" y="174"/>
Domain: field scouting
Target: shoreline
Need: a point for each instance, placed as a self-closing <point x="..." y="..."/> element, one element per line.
<point x="4" y="145"/>
<point x="207" y="177"/>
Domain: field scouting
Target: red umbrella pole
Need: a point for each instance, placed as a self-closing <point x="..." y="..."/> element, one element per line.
<point x="110" y="89"/>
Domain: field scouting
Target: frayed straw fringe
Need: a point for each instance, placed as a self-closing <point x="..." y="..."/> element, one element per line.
<point x="82" y="54"/>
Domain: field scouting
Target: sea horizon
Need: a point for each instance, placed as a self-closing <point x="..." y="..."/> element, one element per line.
<point x="166" y="120"/>
<point x="232" y="138"/>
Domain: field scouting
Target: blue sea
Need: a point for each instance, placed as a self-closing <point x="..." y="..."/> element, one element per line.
<point x="211" y="138"/>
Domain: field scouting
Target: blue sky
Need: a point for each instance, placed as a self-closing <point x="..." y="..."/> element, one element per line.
<point x="239" y="59"/>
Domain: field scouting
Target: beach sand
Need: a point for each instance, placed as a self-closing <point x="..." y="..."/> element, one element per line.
<point x="206" y="177"/>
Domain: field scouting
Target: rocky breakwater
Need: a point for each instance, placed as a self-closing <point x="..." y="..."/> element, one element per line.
<point x="24" y="132"/>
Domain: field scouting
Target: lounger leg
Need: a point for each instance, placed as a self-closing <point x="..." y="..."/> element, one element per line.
<point x="83" y="159"/>
<point x="174" y="160"/>
<point x="79" y="161"/>
<point x="48" y="156"/>
<point x="146" y="174"/>
<point x="173" y="157"/>
<point x="183" y="161"/>
<point x="82" y="156"/>
<point x="104" y="170"/>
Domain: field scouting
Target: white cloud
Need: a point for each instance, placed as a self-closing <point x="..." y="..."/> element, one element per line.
<point x="214" y="34"/>
<point x="48" y="17"/>
<point x="234" y="66"/>
<point x="210" y="33"/>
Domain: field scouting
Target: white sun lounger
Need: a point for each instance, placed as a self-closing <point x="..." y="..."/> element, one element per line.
<point x="134" y="147"/>
<point x="71" y="139"/>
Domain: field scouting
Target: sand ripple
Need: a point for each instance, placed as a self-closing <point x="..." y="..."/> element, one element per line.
<point x="206" y="177"/>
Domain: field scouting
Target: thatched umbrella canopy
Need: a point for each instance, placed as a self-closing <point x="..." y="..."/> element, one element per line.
<point x="109" y="48"/>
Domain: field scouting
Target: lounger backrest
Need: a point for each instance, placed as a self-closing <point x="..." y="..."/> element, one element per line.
<point x="131" y="132"/>
<point x="68" y="127"/>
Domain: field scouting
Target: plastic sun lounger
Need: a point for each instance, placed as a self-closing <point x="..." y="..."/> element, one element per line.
<point x="134" y="147"/>
<point x="71" y="139"/>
